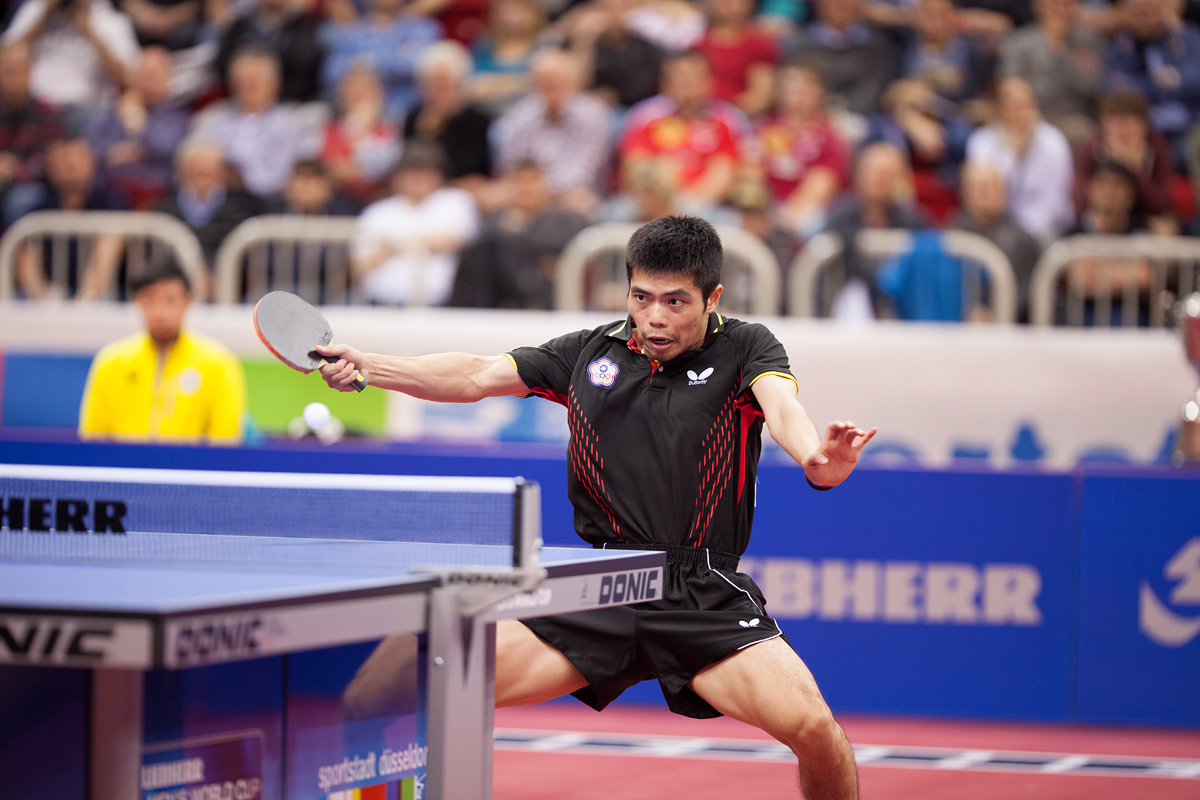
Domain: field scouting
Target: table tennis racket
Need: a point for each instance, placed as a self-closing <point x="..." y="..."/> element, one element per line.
<point x="292" y="330"/>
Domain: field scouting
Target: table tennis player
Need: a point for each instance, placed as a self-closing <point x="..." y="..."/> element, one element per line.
<point x="165" y="383"/>
<point x="666" y="411"/>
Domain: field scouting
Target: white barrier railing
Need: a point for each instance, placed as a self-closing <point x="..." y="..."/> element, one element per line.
<point x="570" y="286"/>
<point x="146" y="234"/>
<point x="1134" y="270"/>
<point x="306" y="255"/>
<point x="825" y="249"/>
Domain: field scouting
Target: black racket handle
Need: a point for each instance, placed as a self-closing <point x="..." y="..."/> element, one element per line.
<point x="360" y="382"/>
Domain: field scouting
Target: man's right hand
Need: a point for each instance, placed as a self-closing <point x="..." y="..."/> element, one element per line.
<point x="350" y="362"/>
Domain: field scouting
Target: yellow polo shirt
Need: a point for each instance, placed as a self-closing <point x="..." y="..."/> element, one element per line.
<point x="198" y="394"/>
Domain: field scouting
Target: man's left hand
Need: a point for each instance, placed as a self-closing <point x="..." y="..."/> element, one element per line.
<point x="834" y="460"/>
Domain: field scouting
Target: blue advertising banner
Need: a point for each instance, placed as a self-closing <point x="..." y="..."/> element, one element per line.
<point x="356" y="722"/>
<point x="1139" y="600"/>
<point x="920" y="592"/>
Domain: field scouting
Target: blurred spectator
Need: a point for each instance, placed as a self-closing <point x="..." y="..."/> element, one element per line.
<point x="361" y="146"/>
<point x="939" y="57"/>
<point x="985" y="211"/>
<point x="311" y="192"/>
<point x="804" y="160"/>
<point x="390" y="40"/>
<point x="81" y="50"/>
<point x="165" y="384"/>
<point x="27" y="126"/>
<point x="741" y="57"/>
<point x="562" y="128"/>
<point x="259" y="138"/>
<point x="686" y="126"/>
<point x="1111" y="201"/>
<point x="1111" y="195"/>
<point x="882" y="198"/>
<point x="752" y="201"/>
<point x="1125" y="136"/>
<point x="982" y="19"/>
<point x="1159" y="57"/>
<point x="444" y="115"/>
<point x="504" y="57"/>
<point x="204" y="200"/>
<point x="622" y="64"/>
<point x="926" y="128"/>
<point x="136" y="140"/>
<point x="173" y="24"/>
<point x="283" y="28"/>
<point x="1034" y="158"/>
<point x="857" y="59"/>
<point x="74" y="186"/>
<point x="651" y="186"/>
<point x="407" y="246"/>
<point x="514" y="262"/>
<point x="1063" y="60"/>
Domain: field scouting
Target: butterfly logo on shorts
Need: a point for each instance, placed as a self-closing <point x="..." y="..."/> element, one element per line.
<point x="703" y="377"/>
<point x="751" y="624"/>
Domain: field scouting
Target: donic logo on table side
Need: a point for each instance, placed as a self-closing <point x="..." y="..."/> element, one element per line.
<point x="703" y="377"/>
<point x="602" y="372"/>
<point x="1155" y="619"/>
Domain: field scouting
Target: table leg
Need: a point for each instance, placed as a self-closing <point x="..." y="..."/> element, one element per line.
<point x="115" y="735"/>
<point x="461" y="702"/>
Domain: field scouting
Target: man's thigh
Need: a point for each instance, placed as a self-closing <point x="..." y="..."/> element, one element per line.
<point x="528" y="670"/>
<point x="765" y="685"/>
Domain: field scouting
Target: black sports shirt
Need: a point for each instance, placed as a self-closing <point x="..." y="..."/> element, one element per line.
<point x="659" y="454"/>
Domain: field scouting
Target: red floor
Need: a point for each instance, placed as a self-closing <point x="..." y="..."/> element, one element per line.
<point x="523" y="775"/>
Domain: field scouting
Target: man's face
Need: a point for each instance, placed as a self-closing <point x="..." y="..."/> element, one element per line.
<point x="255" y="85"/>
<point x="163" y="306"/>
<point x="153" y="77"/>
<point x="985" y="193"/>
<point x="878" y="176"/>
<point x="308" y="192"/>
<point x="530" y="193"/>
<point x="669" y="312"/>
<point x="1018" y="106"/>
<point x="554" y="81"/>
<point x="202" y="172"/>
<point x="417" y="183"/>
<point x="1110" y="196"/>
<point x="687" y="82"/>
<point x="70" y="165"/>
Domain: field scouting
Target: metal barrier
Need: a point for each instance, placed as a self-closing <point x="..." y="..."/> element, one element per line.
<point x="825" y="249"/>
<point x="1134" y="270"/>
<point x="570" y="289"/>
<point x="147" y="234"/>
<point x="306" y="255"/>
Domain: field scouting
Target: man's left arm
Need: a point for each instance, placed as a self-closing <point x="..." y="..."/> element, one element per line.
<point x="827" y="460"/>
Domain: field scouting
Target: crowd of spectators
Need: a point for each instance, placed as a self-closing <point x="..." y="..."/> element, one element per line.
<point x="478" y="136"/>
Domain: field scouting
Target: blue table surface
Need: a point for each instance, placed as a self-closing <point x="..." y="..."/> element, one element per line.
<point x="165" y="573"/>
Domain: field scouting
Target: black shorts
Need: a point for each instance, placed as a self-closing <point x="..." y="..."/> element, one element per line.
<point x="707" y="611"/>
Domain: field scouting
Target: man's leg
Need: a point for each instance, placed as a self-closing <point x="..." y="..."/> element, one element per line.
<point x="528" y="670"/>
<point x="767" y="686"/>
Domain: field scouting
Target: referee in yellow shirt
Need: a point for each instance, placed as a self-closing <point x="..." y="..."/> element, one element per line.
<point x="164" y="385"/>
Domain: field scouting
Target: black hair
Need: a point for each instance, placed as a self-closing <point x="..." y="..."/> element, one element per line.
<point x="158" y="271"/>
<point x="1109" y="166"/>
<point x="422" y="154"/>
<point x="677" y="246"/>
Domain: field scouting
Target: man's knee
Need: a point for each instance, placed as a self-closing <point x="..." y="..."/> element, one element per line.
<point x="814" y="733"/>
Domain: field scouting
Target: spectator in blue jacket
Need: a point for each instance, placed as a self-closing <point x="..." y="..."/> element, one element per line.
<point x="1158" y="56"/>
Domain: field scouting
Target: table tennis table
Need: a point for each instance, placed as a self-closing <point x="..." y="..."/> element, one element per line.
<point x="82" y="584"/>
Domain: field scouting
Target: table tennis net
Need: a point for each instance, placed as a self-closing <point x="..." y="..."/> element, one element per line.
<point x="68" y="501"/>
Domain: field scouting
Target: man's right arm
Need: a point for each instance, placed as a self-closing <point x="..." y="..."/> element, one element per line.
<point x="444" y="377"/>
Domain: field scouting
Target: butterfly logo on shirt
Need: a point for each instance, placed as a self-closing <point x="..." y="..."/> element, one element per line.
<point x="694" y="379"/>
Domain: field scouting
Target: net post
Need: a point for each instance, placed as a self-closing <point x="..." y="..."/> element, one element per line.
<point x="527" y="524"/>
